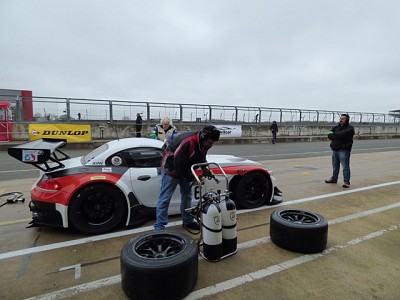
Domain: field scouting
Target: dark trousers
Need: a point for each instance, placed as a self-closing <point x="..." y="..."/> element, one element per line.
<point x="138" y="130"/>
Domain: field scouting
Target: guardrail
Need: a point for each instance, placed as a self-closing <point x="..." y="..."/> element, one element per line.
<point x="54" y="109"/>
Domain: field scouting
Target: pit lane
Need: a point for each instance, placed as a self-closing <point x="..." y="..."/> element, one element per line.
<point x="361" y="260"/>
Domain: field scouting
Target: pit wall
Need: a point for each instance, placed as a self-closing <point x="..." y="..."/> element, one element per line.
<point x="249" y="131"/>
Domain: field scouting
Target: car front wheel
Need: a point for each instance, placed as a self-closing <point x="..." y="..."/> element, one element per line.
<point x="97" y="208"/>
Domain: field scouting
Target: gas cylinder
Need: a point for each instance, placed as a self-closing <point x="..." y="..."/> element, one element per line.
<point x="229" y="233"/>
<point x="212" y="231"/>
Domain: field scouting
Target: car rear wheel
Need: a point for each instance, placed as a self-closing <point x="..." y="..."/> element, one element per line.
<point x="159" y="265"/>
<point x="251" y="190"/>
<point x="299" y="230"/>
<point x="97" y="208"/>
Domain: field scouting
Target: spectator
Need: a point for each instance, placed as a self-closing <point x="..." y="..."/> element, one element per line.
<point x="341" y="137"/>
<point x="274" y="130"/>
<point x="164" y="131"/>
<point x="139" y="122"/>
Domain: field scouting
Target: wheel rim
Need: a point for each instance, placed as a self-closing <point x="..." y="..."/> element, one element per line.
<point x="254" y="190"/>
<point x="299" y="217"/>
<point x="159" y="246"/>
<point x="99" y="208"/>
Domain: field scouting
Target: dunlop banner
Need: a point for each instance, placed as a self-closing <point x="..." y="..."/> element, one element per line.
<point x="71" y="132"/>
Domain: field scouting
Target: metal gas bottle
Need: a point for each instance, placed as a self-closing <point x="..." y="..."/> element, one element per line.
<point x="229" y="232"/>
<point x="212" y="231"/>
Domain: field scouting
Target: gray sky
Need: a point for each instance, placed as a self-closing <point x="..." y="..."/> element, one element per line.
<point x="330" y="55"/>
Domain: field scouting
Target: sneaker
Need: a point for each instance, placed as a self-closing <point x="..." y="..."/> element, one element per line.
<point x="330" y="181"/>
<point x="192" y="226"/>
<point x="346" y="185"/>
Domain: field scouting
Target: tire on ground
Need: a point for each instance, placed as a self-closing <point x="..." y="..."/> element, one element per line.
<point x="299" y="230"/>
<point x="159" y="265"/>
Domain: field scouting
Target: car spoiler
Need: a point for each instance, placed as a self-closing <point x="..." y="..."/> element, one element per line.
<point x="39" y="152"/>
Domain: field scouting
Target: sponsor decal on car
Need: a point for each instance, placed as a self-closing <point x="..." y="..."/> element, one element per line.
<point x="98" y="178"/>
<point x="31" y="155"/>
<point x="116" y="160"/>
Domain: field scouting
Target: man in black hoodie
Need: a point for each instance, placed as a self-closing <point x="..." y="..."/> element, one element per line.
<point x="185" y="150"/>
<point x="341" y="137"/>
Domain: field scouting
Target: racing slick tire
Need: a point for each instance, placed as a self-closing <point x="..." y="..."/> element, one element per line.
<point x="252" y="190"/>
<point x="299" y="230"/>
<point x="159" y="265"/>
<point x="97" y="208"/>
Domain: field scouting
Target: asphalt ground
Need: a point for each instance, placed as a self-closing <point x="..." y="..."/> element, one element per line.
<point x="361" y="260"/>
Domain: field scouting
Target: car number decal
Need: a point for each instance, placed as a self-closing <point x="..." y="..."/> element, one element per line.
<point x="116" y="160"/>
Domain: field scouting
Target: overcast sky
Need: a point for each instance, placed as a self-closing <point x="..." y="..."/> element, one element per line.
<point x="332" y="55"/>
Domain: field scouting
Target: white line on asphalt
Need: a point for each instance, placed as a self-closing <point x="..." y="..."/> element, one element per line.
<point x="316" y="152"/>
<point x="222" y="286"/>
<point x="177" y="223"/>
<point x="76" y="290"/>
<point x="17" y="171"/>
<point x="235" y="282"/>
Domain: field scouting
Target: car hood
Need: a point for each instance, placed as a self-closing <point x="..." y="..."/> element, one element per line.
<point x="230" y="160"/>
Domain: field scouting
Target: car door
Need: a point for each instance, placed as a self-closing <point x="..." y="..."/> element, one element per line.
<point x="145" y="173"/>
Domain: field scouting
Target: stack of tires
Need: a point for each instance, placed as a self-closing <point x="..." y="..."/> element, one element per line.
<point x="159" y="265"/>
<point x="298" y="230"/>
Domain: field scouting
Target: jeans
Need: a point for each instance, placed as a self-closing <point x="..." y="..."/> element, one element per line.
<point x="168" y="186"/>
<point x="341" y="157"/>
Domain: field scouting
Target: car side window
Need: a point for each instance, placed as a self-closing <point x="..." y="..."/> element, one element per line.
<point x="142" y="157"/>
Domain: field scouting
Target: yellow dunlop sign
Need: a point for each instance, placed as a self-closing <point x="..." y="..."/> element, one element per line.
<point x="70" y="132"/>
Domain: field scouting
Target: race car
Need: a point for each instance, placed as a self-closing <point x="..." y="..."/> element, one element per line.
<point x="119" y="183"/>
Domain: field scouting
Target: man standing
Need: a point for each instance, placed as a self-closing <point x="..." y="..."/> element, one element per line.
<point x="139" y="122"/>
<point x="341" y="137"/>
<point x="274" y="129"/>
<point x="165" y="132"/>
<point x="187" y="149"/>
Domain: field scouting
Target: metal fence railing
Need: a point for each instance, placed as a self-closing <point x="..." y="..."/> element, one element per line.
<point x="54" y="109"/>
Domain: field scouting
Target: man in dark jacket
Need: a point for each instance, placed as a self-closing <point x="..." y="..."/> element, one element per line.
<point x="139" y="122"/>
<point x="186" y="149"/>
<point x="274" y="130"/>
<point x="341" y="137"/>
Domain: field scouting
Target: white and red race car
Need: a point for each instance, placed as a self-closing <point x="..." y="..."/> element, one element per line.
<point x="119" y="183"/>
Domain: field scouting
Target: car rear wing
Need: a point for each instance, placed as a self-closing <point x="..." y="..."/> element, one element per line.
<point x="38" y="153"/>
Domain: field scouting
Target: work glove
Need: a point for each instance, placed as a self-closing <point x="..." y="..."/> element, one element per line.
<point x="208" y="173"/>
<point x="201" y="178"/>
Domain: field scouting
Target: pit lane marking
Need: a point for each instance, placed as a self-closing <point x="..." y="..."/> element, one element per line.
<point x="225" y="285"/>
<point x="235" y="282"/>
<point x="77" y="268"/>
<point x="177" y="223"/>
<point x="15" y="221"/>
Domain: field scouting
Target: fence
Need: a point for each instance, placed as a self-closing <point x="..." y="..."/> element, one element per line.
<point x="53" y="109"/>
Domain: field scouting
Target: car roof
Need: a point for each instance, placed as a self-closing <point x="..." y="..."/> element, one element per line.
<point x="121" y="144"/>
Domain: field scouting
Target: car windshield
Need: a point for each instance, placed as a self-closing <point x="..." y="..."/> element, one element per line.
<point x="90" y="156"/>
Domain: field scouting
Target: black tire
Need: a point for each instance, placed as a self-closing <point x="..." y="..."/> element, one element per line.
<point x="251" y="190"/>
<point x="159" y="265"/>
<point x="97" y="208"/>
<point x="299" y="230"/>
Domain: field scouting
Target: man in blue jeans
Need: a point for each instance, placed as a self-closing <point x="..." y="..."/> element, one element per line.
<point x="185" y="150"/>
<point x="341" y="137"/>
